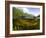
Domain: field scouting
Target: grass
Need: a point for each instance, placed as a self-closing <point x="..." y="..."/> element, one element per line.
<point x="26" y="24"/>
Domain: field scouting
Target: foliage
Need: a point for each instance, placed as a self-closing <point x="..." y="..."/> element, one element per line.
<point x="24" y="24"/>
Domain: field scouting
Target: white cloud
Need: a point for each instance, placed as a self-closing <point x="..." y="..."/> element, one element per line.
<point x="25" y="10"/>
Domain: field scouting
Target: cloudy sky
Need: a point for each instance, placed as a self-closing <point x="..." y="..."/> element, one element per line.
<point x="34" y="11"/>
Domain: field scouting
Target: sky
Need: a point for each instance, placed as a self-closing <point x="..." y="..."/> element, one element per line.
<point x="34" y="11"/>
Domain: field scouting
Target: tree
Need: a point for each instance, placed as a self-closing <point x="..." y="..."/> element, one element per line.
<point x="17" y="12"/>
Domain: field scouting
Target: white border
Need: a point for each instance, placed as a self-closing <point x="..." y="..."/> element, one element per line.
<point x="25" y="31"/>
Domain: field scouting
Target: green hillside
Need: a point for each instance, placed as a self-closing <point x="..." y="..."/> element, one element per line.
<point x="24" y="21"/>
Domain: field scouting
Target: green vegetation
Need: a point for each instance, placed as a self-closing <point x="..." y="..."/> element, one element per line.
<point x="31" y="23"/>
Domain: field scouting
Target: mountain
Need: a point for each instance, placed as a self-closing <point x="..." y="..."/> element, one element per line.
<point x="38" y="17"/>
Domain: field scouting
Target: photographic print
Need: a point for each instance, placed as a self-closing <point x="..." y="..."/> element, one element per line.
<point x="25" y="19"/>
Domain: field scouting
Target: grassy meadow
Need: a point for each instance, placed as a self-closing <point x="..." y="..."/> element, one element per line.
<point x="25" y="21"/>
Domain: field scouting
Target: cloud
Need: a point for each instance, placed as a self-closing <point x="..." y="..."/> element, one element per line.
<point x="25" y="10"/>
<point x="32" y="12"/>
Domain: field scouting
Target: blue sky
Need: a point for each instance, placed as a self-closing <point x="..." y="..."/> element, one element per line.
<point x="34" y="11"/>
